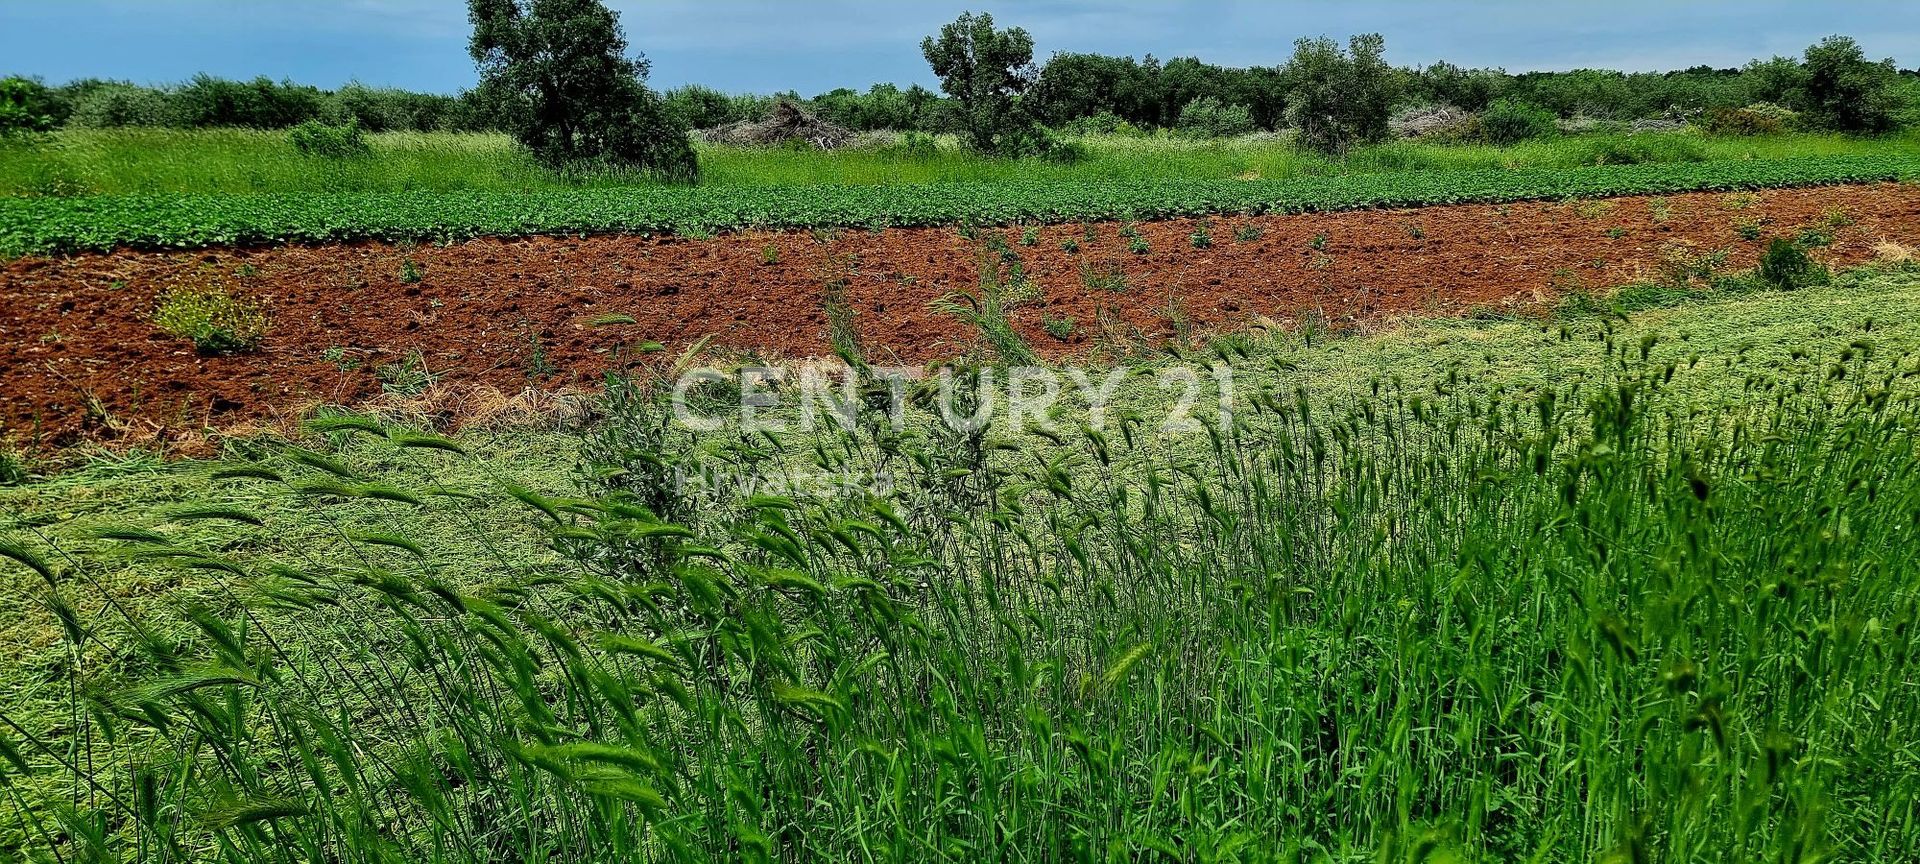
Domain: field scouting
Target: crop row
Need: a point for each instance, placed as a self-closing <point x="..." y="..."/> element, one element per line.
<point x="57" y="225"/>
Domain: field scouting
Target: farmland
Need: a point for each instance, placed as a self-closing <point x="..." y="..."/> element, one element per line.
<point x="1097" y="459"/>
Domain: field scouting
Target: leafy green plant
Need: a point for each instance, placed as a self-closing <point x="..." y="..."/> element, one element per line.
<point x="215" y="321"/>
<point x="1201" y="238"/>
<point x="1059" y="327"/>
<point x="58" y="225"/>
<point x="1246" y="233"/>
<point x="409" y="272"/>
<point x="1787" y="267"/>
<point x="769" y="255"/>
<point x="1510" y="121"/>
<point x="1318" y="242"/>
<point x="1030" y="235"/>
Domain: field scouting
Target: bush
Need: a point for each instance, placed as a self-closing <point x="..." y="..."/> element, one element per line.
<point x="1787" y="267"/>
<point x="26" y="106"/>
<point x="314" y="138"/>
<point x="207" y="101"/>
<point x="116" y="105"/>
<point x="1760" y="118"/>
<point x="215" y="321"/>
<point x="1103" y="123"/>
<point x="1510" y="121"/>
<point x="1208" y="117"/>
<point x="1035" y="142"/>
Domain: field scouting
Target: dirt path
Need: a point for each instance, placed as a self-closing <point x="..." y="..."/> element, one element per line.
<point x="80" y="358"/>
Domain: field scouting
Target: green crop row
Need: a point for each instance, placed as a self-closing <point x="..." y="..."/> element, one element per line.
<point x="56" y="225"/>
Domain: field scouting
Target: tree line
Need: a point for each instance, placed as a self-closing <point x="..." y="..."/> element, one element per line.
<point x="992" y="93"/>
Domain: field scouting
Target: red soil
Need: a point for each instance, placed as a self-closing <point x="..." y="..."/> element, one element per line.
<point x="81" y="359"/>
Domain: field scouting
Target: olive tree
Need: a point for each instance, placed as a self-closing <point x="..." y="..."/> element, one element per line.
<point x="570" y="94"/>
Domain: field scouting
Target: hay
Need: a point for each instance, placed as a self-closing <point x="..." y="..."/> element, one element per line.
<point x="787" y="122"/>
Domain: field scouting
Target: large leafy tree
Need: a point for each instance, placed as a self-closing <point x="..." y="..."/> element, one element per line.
<point x="1340" y="98"/>
<point x="560" y="72"/>
<point x="985" y="71"/>
<point x="1846" y="91"/>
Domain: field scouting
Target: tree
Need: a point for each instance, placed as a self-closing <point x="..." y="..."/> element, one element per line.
<point x="985" y="71"/>
<point x="1339" y="98"/>
<point x="1845" y="91"/>
<point x="569" y="92"/>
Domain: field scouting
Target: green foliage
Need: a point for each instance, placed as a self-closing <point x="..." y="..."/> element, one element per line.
<point x="42" y="225"/>
<point x="1339" y="98"/>
<point x="1787" y="267"/>
<point x="1208" y="117"/>
<point x="207" y="101"/>
<point x="985" y="70"/>
<point x="314" y="138"/>
<point x="1846" y="92"/>
<point x="215" y="321"/>
<point x="1510" y="121"/>
<point x="409" y="272"/>
<point x="25" y="106"/>
<point x="1058" y="326"/>
<point x="568" y="91"/>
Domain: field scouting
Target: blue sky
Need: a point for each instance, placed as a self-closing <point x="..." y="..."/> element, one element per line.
<point x="768" y="45"/>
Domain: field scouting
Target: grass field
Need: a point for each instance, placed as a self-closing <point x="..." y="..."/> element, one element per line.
<point x="154" y="161"/>
<point x="1593" y="587"/>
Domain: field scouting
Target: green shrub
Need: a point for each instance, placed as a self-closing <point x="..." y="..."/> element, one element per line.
<point x="314" y="138"/>
<point x="1060" y="328"/>
<point x="1209" y="117"/>
<point x="25" y="106"/>
<point x="1787" y="267"/>
<point x="113" y="106"/>
<point x="215" y="321"/>
<point x="1510" y="121"/>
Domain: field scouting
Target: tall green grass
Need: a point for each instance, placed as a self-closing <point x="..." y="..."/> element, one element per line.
<point x="153" y="161"/>
<point x="1628" y="616"/>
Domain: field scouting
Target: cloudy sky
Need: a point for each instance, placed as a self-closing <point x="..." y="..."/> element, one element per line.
<point x="816" y="45"/>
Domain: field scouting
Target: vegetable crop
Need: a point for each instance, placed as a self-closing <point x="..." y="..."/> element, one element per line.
<point x="59" y="225"/>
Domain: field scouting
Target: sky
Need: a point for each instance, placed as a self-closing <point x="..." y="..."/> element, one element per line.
<point x="764" y="46"/>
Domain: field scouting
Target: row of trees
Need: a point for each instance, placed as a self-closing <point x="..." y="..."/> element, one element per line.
<point x="556" y="73"/>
